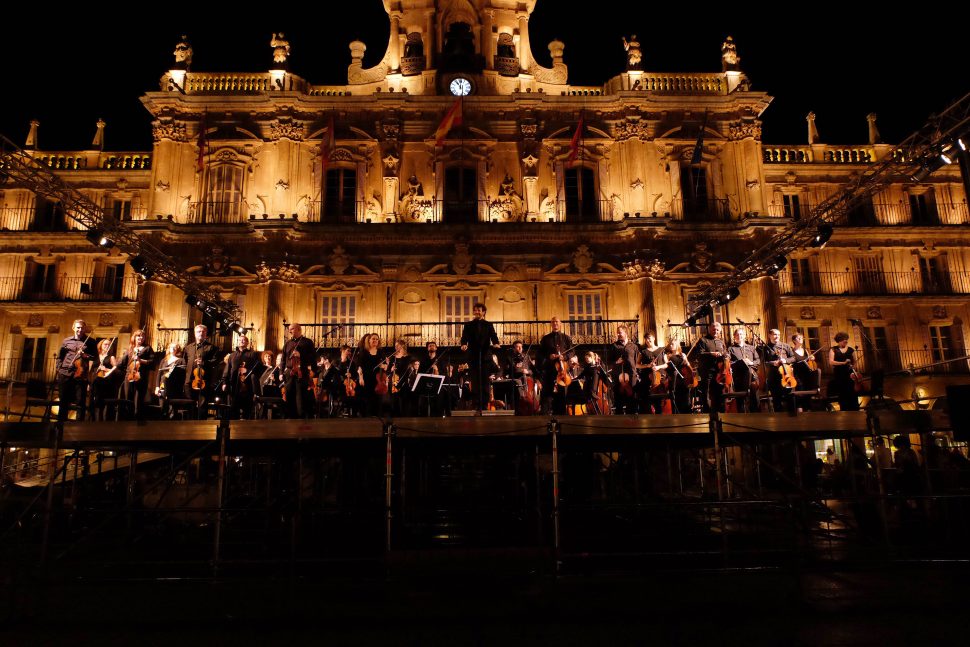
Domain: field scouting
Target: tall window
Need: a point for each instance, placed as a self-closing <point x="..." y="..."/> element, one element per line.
<point x="812" y="337"/>
<point x="877" y="348"/>
<point x="869" y="275"/>
<point x="792" y="205"/>
<point x="461" y="194"/>
<point x="693" y="188"/>
<point x="585" y="307"/>
<point x="109" y="286"/>
<point x="458" y="310"/>
<point x="942" y="343"/>
<point x="121" y="209"/>
<point x="33" y="355"/>
<point x="48" y="216"/>
<point x="223" y="195"/>
<point x="338" y="309"/>
<point x="862" y="215"/>
<point x="40" y="281"/>
<point x="922" y="208"/>
<point x="935" y="274"/>
<point x="802" y="277"/>
<point x="581" y="197"/>
<point x="340" y="195"/>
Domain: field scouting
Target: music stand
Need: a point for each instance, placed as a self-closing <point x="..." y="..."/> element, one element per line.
<point x="427" y="386"/>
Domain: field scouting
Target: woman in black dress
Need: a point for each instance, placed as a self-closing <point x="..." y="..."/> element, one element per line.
<point x="136" y="364"/>
<point x="805" y="375"/>
<point x="107" y="379"/>
<point x="841" y="357"/>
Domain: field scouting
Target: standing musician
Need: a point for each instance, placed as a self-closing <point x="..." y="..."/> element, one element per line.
<point x="476" y="338"/>
<point x="651" y="363"/>
<point x="106" y="382"/>
<point x="399" y="372"/>
<point x="711" y="348"/>
<point x="593" y="376"/>
<point x="241" y="378"/>
<point x="551" y="346"/>
<point x="520" y="369"/>
<point x="367" y="364"/>
<point x="433" y="364"/>
<point x="841" y="359"/>
<point x="201" y="358"/>
<point x="805" y="375"/>
<point x="774" y="355"/>
<point x="676" y="376"/>
<point x="135" y="363"/>
<point x="73" y="363"/>
<point x="744" y="366"/>
<point x="298" y="354"/>
<point x="625" y="352"/>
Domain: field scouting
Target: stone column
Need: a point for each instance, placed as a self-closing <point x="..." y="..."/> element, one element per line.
<point x="275" y="314"/>
<point x="530" y="189"/>
<point x="391" y="192"/>
<point x="394" y="46"/>
<point x="525" y="49"/>
<point x="770" y="303"/>
<point x="488" y="44"/>
<point x="430" y="45"/>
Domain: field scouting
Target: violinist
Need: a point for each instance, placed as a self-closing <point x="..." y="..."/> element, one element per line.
<point x="625" y="380"/>
<point x="744" y="367"/>
<point x="477" y="338"/>
<point x="399" y="371"/>
<point x="201" y="358"/>
<point x="298" y="354"/>
<point x="841" y="359"/>
<point x="107" y="379"/>
<point x="433" y="364"/>
<point x="136" y="363"/>
<point x="73" y="360"/>
<point x="240" y="378"/>
<point x="551" y="347"/>
<point x="805" y="375"/>
<point x="711" y="351"/>
<point x="775" y="354"/>
<point x="368" y="363"/>
<point x="676" y="363"/>
<point x="652" y="363"/>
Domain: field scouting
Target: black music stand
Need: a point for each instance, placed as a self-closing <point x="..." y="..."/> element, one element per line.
<point x="427" y="386"/>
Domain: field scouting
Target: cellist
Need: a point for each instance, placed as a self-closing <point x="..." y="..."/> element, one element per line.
<point x="776" y="354"/>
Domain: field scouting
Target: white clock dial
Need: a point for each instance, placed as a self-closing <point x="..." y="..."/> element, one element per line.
<point x="461" y="87"/>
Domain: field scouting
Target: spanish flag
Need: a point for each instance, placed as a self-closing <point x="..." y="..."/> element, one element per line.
<point x="200" y="162"/>
<point x="574" y="142"/>
<point x="327" y="146"/>
<point x="452" y="119"/>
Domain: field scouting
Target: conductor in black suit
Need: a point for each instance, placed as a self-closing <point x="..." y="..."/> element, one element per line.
<point x="477" y="339"/>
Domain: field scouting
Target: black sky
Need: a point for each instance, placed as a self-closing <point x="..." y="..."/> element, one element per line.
<point x="841" y="63"/>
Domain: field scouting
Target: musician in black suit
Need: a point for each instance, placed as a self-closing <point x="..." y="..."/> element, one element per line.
<point x="477" y="339"/>
<point x="299" y="355"/>
<point x="200" y="354"/>
<point x="72" y="379"/>
<point x="553" y="346"/>
<point x="241" y="378"/>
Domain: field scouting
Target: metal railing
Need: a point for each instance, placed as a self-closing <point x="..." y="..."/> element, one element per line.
<point x="781" y="210"/>
<point x="712" y="209"/>
<point x="21" y="369"/>
<point x="590" y="332"/>
<point x="217" y="213"/>
<point x="68" y="288"/>
<point x="875" y="283"/>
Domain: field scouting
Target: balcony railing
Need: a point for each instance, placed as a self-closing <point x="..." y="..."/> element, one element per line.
<point x="586" y="332"/>
<point x="874" y="283"/>
<point x="234" y="83"/>
<point x="21" y="369"/>
<point x="802" y="210"/>
<point x="809" y="154"/>
<point x="67" y="288"/>
<point x="507" y="65"/>
<point x="937" y="361"/>
<point x="217" y="213"/>
<point x="710" y="210"/>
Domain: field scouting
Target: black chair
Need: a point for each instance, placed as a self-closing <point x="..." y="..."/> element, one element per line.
<point x="175" y="403"/>
<point x="38" y="394"/>
<point x="268" y="400"/>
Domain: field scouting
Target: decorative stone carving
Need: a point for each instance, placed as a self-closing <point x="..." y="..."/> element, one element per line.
<point x="582" y="259"/>
<point x="106" y="319"/>
<point x="169" y="130"/>
<point x="874" y="312"/>
<point x="391" y="162"/>
<point x="282" y="185"/>
<point x="226" y="156"/>
<point x="513" y="272"/>
<point x="341" y="155"/>
<point x="183" y="54"/>
<point x="508" y="206"/>
<point x="639" y="268"/>
<point x="529" y="130"/>
<point x="339" y="261"/>
<point x="745" y="129"/>
<point x="162" y="187"/>
<point x="939" y="312"/>
<point x="414" y="207"/>
<point x="412" y="274"/>
<point x="636" y="184"/>
<point x="633" y="53"/>
<point x="701" y="259"/>
<point x="558" y="74"/>
<point x="217" y="264"/>
<point x="122" y="184"/>
<point x="729" y="56"/>
<point x="281" y="50"/>
<point x="35" y="320"/>
<point x="356" y="74"/>
<point x="391" y="130"/>
<point x="631" y="129"/>
<point x="807" y="312"/>
<point x="283" y="272"/>
<point x="461" y="261"/>
<point x="529" y="163"/>
<point x="286" y="130"/>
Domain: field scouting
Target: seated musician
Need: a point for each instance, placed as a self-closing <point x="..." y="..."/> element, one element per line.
<point x="806" y="376"/>
<point x="744" y="367"/>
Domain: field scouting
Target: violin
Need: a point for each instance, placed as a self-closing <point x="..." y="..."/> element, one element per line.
<point x="243" y="382"/>
<point x="296" y="370"/>
<point x="724" y="375"/>
<point x="382" y="378"/>
<point x="82" y="364"/>
<point x="134" y="367"/>
<point x="563" y="378"/>
<point x="198" y="378"/>
<point x="690" y="376"/>
<point x="787" y="376"/>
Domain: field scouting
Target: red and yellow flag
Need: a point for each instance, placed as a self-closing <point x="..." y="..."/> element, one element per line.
<point x="200" y="163"/>
<point x="574" y="142"/>
<point x="452" y="119"/>
<point x="327" y="146"/>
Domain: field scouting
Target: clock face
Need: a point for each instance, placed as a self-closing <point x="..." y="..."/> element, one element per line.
<point x="461" y="87"/>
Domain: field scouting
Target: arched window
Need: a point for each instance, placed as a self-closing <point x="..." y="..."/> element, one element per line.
<point x="340" y="195"/>
<point x="461" y="195"/>
<point x="581" y="197"/>
<point x="693" y="189"/>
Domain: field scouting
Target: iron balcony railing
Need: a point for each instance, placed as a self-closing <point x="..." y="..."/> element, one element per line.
<point x="913" y="283"/>
<point x="21" y="369"/>
<point x="701" y="210"/>
<point x="68" y="288"/>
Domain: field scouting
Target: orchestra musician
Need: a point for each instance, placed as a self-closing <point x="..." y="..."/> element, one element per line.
<point x="106" y="380"/>
<point x="201" y="358"/>
<point x="399" y="371"/>
<point x="367" y="365"/>
<point x="433" y="363"/>
<point x="744" y="365"/>
<point x="841" y="359"/>
<point x="240" y="378"/>
<point x="625" y="355"/>
<point x="806" y="377"/>
<point x="676" y="362"/>
<point x="774" y="354"/>
<point x="74" y="359"/>
<point x="711" y="349"/>
<point x="477" y="337"/>
<point x="298" y="354"/>
<point x="136" y="377"/>
<point x="651" y="361"/>
<point x="551" y="346"/>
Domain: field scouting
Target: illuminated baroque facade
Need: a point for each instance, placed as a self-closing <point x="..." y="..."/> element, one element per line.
<point x="339" y="204"/>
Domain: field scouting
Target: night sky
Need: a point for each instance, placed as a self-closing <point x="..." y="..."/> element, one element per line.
<point x="840" y="63"/>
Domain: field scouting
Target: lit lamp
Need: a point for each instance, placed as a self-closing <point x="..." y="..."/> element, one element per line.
<point x="919" y="396"/>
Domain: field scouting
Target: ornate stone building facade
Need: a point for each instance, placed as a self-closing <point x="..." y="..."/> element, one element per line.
<point x="351" y="204"/>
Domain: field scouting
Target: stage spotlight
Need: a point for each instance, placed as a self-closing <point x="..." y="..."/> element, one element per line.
<point x="99" y="239"/>
<point x="140" y="266"/>
<point x="236" y="327"/>
<point x="776" y="265"/>
<point x="192" y="300"/>
<point x="731" y="295"/>
<point x="962" y="144"/>
<point x="822" y="235"/>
